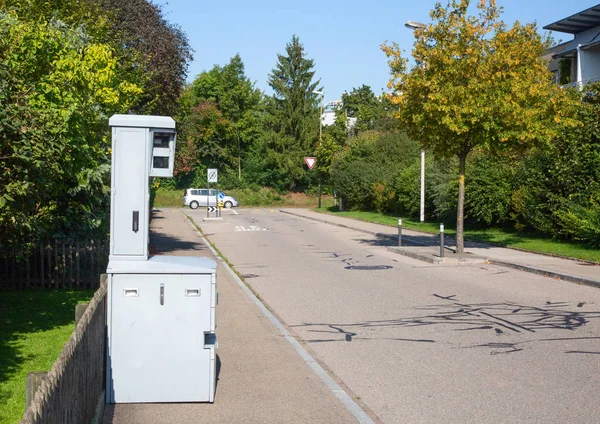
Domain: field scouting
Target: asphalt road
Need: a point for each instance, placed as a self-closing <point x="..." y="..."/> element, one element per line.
<point x="420" y="343"/>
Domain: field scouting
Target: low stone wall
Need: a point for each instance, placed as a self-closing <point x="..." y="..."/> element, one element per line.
<point x="70" y="391"/>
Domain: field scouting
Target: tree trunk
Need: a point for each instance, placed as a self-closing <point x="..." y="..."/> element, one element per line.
<point x="460" y="212"/>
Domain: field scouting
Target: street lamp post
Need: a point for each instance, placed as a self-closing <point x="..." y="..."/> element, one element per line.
<point x="320" y="137"/>
<point x="320" y="93"/>
<point x="417" y="25"/>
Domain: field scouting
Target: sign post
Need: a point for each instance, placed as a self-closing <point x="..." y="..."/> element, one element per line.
<point x="212" y="177"/>
<point x="311" y="162"/>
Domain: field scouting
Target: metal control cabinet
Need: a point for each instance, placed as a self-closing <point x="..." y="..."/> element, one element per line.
<point x="142" y="147"/>
<point x="161" y="337"/>
<point x="161" y="310"/>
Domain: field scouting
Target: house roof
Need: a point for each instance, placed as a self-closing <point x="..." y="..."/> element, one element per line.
<point x="584" y="41"/>
<point x="578" y="22"/>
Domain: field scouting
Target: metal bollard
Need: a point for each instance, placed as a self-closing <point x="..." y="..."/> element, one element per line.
<point x="399" y="232"/>
<point x="441" y="240"/>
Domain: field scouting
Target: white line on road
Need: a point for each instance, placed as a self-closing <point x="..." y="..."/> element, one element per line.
<point x="251" y="228"/>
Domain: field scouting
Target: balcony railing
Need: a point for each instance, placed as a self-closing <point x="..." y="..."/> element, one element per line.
<point x="580" y="83"/>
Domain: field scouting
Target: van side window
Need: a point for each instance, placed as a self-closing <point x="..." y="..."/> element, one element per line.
<point x="195" y="192"/>
<point x="203" y="192"/>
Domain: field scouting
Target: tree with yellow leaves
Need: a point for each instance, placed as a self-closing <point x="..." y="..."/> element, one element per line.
<point x="476" y="83"/>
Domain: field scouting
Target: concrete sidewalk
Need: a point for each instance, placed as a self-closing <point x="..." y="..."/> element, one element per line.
<point x="567" y="269"/>
<point x="260" y="377"/>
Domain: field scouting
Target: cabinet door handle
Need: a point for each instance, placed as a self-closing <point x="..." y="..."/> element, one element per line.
<point x="162" y="294"/>
<point x="130" y="292"/>
<point x="135" y="226"/>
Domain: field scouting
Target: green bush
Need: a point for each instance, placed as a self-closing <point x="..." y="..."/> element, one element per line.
<point x="489" y="188"/>
<point x="441" y="190"/>
<point x="581" y="222"/>
<point x="365" y="172"/>
<point x="383" y="197"/>
<point x="408" y="190"/>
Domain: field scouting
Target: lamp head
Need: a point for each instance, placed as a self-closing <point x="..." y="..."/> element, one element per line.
<point x="414" y="25"/>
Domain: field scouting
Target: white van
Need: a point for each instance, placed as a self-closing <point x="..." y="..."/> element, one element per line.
<point x="195" y="197"/>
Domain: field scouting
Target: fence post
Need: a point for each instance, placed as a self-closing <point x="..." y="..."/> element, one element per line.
<point x="91" y="264"/>
<point x="27" y="273"/>
<point x="98" y="262"/>
<point x="70" y="276"/>
<point x="13" y="272"/>
<point x="49" y="254"/>
<point x="77" y="263"/>
<point x="64" y="265"/>
<point x="42" y="264"/>
<point x="33" y="382"/>
<point x="56" y="274"/>
<point x="79" y="311"/>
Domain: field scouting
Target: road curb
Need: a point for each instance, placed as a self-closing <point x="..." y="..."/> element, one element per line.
<point x="432" y="259"/>
<point x="519" y="267"/>
<point x="354" y="408"/>
<point x="546" y="273"/>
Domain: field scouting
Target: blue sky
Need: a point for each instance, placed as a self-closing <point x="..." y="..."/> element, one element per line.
<point x="343" y="37"/>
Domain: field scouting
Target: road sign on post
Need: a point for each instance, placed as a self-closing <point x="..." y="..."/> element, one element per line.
<point x="310" y="162"/>
<point x="212" y="175"/>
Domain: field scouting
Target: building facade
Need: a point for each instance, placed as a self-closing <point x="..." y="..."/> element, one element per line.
<point x="577" y="62"/>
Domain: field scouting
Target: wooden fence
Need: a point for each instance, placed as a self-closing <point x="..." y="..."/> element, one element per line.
<point x="73" y="388"/>
<point x="58" y="264"/>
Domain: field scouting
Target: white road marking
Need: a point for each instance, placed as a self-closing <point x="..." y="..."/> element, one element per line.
<point x="251" y="228"/>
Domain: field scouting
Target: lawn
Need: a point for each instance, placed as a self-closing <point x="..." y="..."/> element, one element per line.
<point x="264" y="197"/>
<point x="34" y="326"/>
<point x="500" y="236"/>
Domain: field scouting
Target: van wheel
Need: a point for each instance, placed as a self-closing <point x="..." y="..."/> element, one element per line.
<point x="194" y="205"/>
<point x="228" y="205"/>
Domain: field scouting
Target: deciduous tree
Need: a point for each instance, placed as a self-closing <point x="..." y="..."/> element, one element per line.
<point x="238" y="100"/>
<point x="476" y="82"/>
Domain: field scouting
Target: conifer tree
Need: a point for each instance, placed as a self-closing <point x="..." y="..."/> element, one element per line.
<point x="292" y="124"/>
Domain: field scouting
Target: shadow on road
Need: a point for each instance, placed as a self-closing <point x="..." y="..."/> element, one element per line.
<point x="418" y="241"/>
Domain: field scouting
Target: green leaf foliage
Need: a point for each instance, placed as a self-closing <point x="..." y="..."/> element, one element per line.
<point x="56" y="91"/>
<point x="220" y="120"/>
<point x="365" y="172"/>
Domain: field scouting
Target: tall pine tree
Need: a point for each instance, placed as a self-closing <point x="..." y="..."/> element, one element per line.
<point x="292" y="122"/>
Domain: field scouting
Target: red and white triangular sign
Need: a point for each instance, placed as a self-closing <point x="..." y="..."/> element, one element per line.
<point x="310" y="162"/>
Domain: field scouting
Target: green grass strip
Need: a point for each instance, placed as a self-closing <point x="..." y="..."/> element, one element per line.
<point x="34" y="327"/>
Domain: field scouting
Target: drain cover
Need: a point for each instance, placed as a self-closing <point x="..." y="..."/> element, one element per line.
<point x="367" y="267"/>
